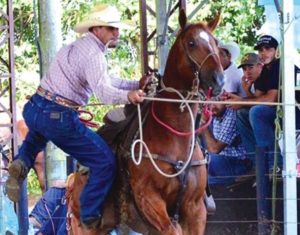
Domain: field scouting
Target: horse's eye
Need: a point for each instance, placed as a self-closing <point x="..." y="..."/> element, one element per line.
<point x="191" y="43"/>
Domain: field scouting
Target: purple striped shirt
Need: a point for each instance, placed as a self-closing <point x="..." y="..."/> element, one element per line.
<point x="80" y="68"/>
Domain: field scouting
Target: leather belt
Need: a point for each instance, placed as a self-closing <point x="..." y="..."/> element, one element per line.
<point x="56" y="98"/>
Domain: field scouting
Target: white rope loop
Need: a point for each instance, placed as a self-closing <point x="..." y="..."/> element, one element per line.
<point x="143" y="144"/>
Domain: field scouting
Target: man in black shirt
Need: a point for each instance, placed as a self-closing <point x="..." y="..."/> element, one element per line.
<point x="256" y="122"/>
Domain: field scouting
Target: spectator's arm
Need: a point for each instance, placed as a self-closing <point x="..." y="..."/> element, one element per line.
<point x="259" y="96"/>
<point x="213" y="145"/>
<point x="269" y="96"/>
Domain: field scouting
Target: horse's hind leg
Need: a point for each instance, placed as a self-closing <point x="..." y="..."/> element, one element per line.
<point x="154" y="209"/>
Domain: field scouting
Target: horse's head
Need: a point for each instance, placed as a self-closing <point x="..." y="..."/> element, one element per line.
<point x="194" y="56"/>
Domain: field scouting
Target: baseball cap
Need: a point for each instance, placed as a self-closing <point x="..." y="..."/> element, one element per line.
<point x="250" y="59"/>
<point x="266" y="40"/>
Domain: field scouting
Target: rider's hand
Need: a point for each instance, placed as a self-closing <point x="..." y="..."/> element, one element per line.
<point x="145" y="80"/>
<point x="136" y="96"/>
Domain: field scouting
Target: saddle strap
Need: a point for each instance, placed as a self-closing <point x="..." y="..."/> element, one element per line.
<point x="155" y="156"/>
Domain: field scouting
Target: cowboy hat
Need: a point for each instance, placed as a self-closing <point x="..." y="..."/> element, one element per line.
<point x="232" y="48"/>
<point x="101" y="15"/>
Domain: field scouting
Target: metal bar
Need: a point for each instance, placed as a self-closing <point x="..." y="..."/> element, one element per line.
<point x="289" y="137"/>
<point x="22" y="206"/>
<point x="6" y="125"/>
<point x="144" y="45"/>
<point x="197" y="8"/>
<point x="151" y="35"/>
<point x="162" y="38"/>
<point x="150" y="11"/>
<point x="262" y="191"/>
<point x="182" y="4"/>
<point x="13" y="107"/>
<point x="145" y="39"/>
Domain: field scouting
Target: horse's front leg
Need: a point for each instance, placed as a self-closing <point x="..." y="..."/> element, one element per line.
<point x="193" y="210"/>
<point x="153" y="207"/>
<point x="194" y="218"/>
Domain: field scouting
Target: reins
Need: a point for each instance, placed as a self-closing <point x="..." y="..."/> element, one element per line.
<point x="180" y="133"/>
<point x="185" y="104"/>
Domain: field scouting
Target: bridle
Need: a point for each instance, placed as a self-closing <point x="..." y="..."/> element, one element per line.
<point x="195" y="92"/>
<point x="196" y="67"/>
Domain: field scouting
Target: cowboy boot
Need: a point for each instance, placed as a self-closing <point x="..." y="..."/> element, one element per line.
<point x="17" y="173"/>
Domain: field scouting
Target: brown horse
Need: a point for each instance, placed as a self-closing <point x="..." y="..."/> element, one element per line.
<point x="173" y="205"/>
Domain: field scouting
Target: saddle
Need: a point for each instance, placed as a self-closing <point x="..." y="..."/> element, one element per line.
<point x="114" y="132"/>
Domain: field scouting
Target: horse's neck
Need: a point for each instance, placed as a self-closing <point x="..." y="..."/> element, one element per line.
<point x="174" y="113"/>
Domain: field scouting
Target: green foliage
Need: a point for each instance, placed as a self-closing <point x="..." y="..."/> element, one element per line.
<point x="33" y="184"/>
<point x="240" y="20"/>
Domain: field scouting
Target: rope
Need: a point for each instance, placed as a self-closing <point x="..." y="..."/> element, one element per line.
<point x="202" y="102"/>
<point x="88" y="121"/>
<point x="143" y="144"/>
<point x="180" y="133"/>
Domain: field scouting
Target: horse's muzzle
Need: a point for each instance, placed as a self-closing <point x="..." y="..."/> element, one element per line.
<point x="218" y="77"/>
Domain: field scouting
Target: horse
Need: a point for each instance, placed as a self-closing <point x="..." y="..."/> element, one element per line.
<point x="157" y="202"/>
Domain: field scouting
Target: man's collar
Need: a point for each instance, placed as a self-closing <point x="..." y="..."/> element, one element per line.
<point x="97" y="40"/>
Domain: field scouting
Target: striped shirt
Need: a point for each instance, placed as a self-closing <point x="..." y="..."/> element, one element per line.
<point x="80" y="69"/>
<point x="224" y="130"/>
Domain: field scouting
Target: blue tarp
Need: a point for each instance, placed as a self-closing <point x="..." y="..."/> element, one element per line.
<point x="272" y="24"/>
<point x="271" y="2"/>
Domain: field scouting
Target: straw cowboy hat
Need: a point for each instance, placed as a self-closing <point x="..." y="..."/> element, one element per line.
<point x="233" y="49"/>
<point x="101" y="15"/>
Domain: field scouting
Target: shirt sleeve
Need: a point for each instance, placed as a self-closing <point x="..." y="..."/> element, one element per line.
<point x="101" y="83"/>
<point x="228" y="131"/>
<point x="124" y="84"/>
<point x="274" y="76"/>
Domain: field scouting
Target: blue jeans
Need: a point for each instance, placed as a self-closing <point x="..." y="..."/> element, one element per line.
<point x="256" y="127"/>
<point x="46" y="121"/>
<point x="224" y="169"/>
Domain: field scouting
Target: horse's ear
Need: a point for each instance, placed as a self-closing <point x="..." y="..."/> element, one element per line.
<point x="182" y="18"/>
<point x="212" y="25"/>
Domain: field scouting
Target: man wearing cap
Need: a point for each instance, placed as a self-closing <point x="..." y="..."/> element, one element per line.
<point x="228" y="53"/>
<point x="228" y="158"/>
<point x="77" y="71"/>
<point x="252" y="67"/>
<point x="256" y="122"/>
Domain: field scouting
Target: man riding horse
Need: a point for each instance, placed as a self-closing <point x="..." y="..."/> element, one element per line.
<point x="77" y="71"/>
<point x="162" y="192"/>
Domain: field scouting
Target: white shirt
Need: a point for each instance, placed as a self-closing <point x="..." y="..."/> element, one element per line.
<point x="233" y="80"/>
